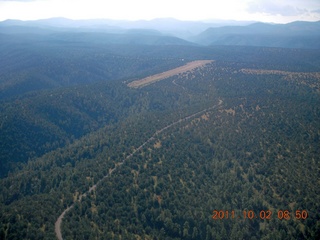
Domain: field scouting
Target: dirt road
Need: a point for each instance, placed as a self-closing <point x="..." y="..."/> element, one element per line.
<point x="60" y="218"/>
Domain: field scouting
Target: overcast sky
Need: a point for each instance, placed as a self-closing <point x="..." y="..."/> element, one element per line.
<point x="277" y="11"/>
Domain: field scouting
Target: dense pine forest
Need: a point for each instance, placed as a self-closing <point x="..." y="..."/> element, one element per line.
<point x="229" y="150"/>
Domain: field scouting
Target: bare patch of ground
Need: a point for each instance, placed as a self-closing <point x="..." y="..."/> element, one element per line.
<point x="157" y="144"/>
<point x="160" y="76"/>
<point x="205" y="116"/>
<point x="229" y="111"/>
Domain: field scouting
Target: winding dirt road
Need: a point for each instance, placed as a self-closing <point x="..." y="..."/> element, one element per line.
<point x="60" y="218"/>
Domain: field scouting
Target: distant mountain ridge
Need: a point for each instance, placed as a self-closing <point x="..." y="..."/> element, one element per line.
<point x="127" y="36"/>
<point x="168" y="26"/>
<point x="171" y="32"/>
<point x="291" y="35"/>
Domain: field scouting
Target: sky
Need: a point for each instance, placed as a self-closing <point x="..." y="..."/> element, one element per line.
<point x="275" y="11"/>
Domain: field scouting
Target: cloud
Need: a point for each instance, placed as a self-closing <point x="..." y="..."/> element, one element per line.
<point x="18" y="0"/>
<point x="276" y="8"/>
<point x="259" y="10"/>
<point x="286" y="8"/>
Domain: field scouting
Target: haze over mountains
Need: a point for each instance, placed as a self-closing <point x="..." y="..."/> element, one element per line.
<point x="171" y="31"/>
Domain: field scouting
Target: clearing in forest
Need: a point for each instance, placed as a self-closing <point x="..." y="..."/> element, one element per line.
<point x="160" y="76"/>
<point x="311" y="79"/>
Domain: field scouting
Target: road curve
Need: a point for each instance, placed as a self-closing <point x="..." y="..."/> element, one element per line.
<point x="93" y="187"/>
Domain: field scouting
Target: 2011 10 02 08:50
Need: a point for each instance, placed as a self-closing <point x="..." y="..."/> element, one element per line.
<point x="263" y="214"/>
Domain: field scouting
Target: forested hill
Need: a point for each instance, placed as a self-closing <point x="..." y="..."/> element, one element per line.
<point x="239" y="134"/>
<point x="55" y="92"/>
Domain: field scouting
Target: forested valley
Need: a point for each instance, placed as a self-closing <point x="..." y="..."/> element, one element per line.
<point x="241" y="133"/>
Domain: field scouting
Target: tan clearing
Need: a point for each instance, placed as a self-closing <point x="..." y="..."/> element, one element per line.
<point x="205" y="116"/>
<point x="157" y="144"/>
<point x="160" y="76"/>
<point x="229" y="111"/>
